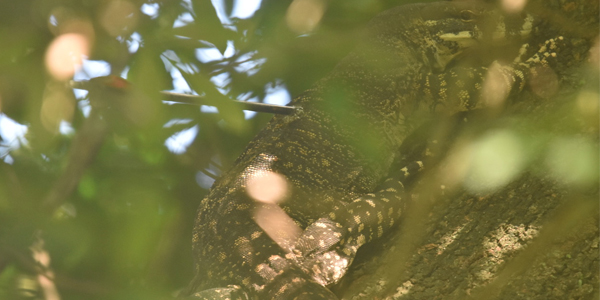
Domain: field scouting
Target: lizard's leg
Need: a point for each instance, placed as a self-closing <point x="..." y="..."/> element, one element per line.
<point x="466" y="88"/>
<point x="327" y="247"/>
<point x="232" y="292"/>
<point x="288" y="282"/>
<point x="243" y="261"/>
<point x="275" y="278"/>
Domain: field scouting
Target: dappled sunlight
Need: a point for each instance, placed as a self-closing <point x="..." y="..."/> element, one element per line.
<point x="496" y="87"/>
<point x="280" y="227"/>
<point x="46" y="277"/>
<point x="269" y="187"/>
<point x="403" y="289"/>
<point x="74" y="40"/>
<point x="456" y="165"/>
<point x="506" y="239"/>
<point x="65" y="54"/>
<point x="573" y="160"/>
<point x="449" y="238"/>
<point x="303" y="16"/>
<point x="513" y="6"/>
<point x="497" y="158"/>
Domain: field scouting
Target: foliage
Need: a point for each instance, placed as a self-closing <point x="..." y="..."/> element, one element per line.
<point x="121" y="203"/>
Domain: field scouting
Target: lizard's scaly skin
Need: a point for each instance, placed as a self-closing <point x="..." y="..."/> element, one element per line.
<point x="334" y="151"/>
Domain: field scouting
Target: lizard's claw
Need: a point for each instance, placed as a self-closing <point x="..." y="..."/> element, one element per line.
<point x="318" y="237"/>
<point x="546" y="54"/>
<point x="328" y="267"/>
<point x="319" y="251"/>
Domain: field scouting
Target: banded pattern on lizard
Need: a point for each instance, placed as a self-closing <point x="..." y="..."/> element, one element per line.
<point x="335" y="151"/>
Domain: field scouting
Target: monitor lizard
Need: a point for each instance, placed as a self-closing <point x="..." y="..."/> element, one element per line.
<point x="333" y="155"/>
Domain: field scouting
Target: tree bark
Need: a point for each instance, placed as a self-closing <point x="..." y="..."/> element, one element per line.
<point x="533" y="238"/>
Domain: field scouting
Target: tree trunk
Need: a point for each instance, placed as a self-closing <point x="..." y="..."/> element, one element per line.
<point x="535" y="237"/>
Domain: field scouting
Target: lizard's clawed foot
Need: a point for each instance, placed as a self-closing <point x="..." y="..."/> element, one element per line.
<point x="320" y="252"/>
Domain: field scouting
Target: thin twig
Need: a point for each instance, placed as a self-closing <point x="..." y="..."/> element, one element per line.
<point x="244" y="105"/>
<point x="201" y="100"/>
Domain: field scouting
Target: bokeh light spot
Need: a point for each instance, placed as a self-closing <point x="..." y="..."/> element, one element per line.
<point x="495" y="86"/>
<point x="65" y="54"/>
<point x="513" y="6"/>
<point x="496" y="159"/>
<point x="303" y="16"/>
<point x="268" y="187"/>
<point x="457" y="164"/>
<point x="573" y="160"/>
<point x="280" y="227"/>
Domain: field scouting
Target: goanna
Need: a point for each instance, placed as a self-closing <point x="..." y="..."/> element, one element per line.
<point x="333" y="155"/>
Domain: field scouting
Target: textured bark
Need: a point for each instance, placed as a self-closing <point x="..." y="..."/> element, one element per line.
<point x="534" y="238"/>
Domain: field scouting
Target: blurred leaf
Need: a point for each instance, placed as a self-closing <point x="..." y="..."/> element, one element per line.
<point x="208" y="26"/>
<point x="198" y="33"/>
<point x="227" y="108"/>
<point x="87" y="187"/>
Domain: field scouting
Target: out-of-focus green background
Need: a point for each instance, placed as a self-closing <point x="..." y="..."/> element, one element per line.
<point x="119" y="225"/>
